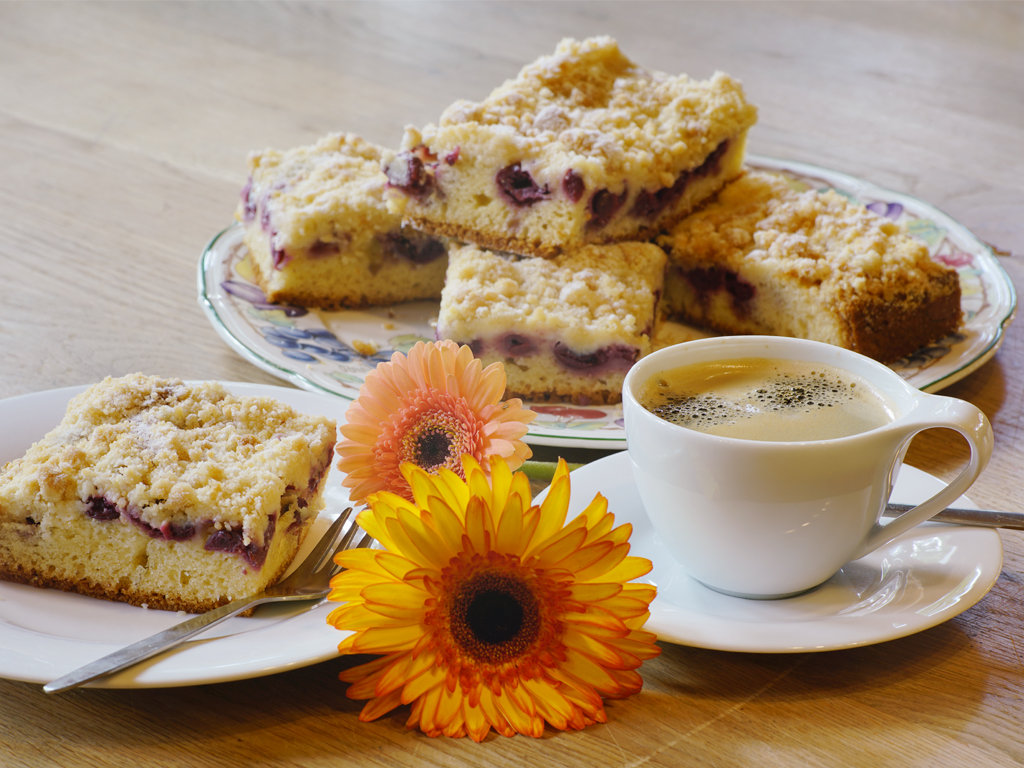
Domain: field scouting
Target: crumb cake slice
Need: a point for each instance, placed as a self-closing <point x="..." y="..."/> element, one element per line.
<point x="320" y="235"/>
<point x="566" y="328"/>
<point x="766" y="258"/>
<point x="162" y="494"/>
<point x="584" y="146"/>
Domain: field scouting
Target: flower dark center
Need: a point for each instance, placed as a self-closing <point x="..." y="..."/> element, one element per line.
<point x="433" y="448"/>
<point x="438" y="439"/>
<point x="494" y="617"/>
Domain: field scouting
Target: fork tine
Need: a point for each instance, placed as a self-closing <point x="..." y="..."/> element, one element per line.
<point x="327" y="545"/>
<point x="346" y="540"/>
<point x="333" y="568"/>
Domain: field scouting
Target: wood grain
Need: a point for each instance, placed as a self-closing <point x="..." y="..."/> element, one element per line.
<point x="123" y="135"/>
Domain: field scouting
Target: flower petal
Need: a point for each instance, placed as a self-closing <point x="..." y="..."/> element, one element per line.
<point x="522" y="699"/>
<point x="520" y="721"/>
<point x="590" y="592"/>
<point x="587" y="556"/>
<point x="560" y="546"/>
<point x="447" y="524"/>
<point x="382" y="640"/>
<point x="585" y="669"/>
<point x="425" y="539"/>
<point x="377" y="707"/>
<point x="630" y="568"/>
<point x="493" y="714"/>
<point x="409" y="667"/>
<point x="477" y="725"/>
<point x="501" y="485"/>
<point x="404" y="595"/>
<point x="360" y="671"/>
<point x="551" y="705"/>
<point x="454" y="489"/>
<point x="449" y="710"/>
<point x="479" y="528"/>
<point x="553" y="509"/>
<point x="510" y="526"/>
<point x="607" y="562"/>
<point x="592" y="647"/>
<point x="425" y="711"/>
<point x="432" y="677"/>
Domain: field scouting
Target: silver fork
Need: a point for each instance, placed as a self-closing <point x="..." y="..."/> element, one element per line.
<point x="310" y="581"/>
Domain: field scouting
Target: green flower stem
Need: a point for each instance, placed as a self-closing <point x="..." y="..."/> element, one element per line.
<point x="543" y="470"/>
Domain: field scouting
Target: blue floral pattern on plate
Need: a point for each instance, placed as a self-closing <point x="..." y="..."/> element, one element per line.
<point x="333" y="351"/>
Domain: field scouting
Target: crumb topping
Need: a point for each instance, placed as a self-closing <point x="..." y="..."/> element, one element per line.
<point x="336" y="182"/>
<point x="173" y="453"/>
<point x="588" y="297"/>
<point x="821" y="239"/>
<point x="590" y="101"/>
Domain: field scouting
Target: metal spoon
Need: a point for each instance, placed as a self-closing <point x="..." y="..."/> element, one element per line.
<point x="987" y="518"/>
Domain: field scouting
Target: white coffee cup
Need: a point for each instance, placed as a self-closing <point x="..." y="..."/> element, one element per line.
<point x="770" y="519"/>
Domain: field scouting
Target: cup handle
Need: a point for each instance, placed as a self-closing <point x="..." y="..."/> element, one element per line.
<point x="937" y="412"/>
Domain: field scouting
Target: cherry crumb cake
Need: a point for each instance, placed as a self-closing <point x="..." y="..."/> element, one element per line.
<point x="584" y="146"/>
<point x="162" y="494"/>
<point x="767" y="258"/>
<point x="320" y="235"/>
<point x="566" y="328"/>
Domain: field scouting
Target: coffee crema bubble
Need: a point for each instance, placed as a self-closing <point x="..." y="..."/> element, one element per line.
<point x="764" y="399"/>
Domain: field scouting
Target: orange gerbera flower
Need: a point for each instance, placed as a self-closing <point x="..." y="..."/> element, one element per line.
<point x="491" y="612"/>
<point x="430" y="409"/>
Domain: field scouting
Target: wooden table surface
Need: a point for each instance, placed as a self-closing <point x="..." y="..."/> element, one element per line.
<point x="124" y="130"/>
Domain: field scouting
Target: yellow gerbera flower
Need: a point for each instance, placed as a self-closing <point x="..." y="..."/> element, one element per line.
<point x="430" y="409"/>
<point x="492" y="612"/>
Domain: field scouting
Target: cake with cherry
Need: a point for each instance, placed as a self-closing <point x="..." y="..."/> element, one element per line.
<point x="566" y="328"/>
<point x="164" y="494"/>
<point x="767" y="258"/>
<point x="582" y="147"/>
<point x="320" y="235"/>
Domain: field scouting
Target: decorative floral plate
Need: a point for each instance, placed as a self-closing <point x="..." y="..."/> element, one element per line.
<point x="333" y="351"/>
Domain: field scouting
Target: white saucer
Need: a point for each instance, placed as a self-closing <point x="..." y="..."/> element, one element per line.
<point x="919" y="580"/>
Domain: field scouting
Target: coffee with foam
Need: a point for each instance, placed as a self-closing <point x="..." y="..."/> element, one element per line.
<point x="768" y="400"/>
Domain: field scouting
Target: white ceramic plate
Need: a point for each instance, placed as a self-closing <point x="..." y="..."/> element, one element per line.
<point x="46" y="633"/>
<point x="921" y="579"/>
<point x="315" y="350"/>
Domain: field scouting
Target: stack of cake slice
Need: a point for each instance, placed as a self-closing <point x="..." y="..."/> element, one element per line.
<point x="583" y="147"/>
<point x="549" y="189"/>
<point x="541" y="216"/>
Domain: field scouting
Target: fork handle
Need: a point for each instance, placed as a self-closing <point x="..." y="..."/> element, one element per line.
<point x="151" y="646"/>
